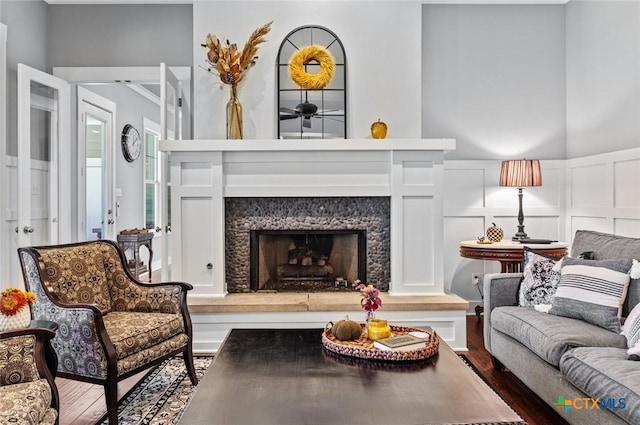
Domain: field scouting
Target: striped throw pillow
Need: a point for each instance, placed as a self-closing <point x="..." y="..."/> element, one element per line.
<point x="631" y="330"/>
<point x="593" y="291"/>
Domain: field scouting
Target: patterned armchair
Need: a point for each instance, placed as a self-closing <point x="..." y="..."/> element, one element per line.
<point x="28" y="393"/>
<point x="110" y="325"/>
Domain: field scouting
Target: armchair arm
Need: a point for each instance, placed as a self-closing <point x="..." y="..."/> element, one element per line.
<point x="499" y="289"/>
<point x="165" y="297"/>
<point x="129" y="294"/>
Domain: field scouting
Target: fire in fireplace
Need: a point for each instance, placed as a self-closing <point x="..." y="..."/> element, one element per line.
<point x="307" y="260"/>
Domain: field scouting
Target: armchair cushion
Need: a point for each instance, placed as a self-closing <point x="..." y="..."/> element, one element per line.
<point x="27" y="403"/>
<point x="27" y="390"/>
<point x="132" y="332"/>
<point x="77" y="275"/>
<point x="17" y="363"/>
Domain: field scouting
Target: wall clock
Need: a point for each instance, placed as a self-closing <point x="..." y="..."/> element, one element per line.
<point x="131" y="143"/>
<point x="307" y="110"/>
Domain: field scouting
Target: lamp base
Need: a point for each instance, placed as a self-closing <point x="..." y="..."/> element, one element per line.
<point x="518" y="238"/>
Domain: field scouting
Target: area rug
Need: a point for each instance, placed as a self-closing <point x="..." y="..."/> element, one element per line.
<point x="473" y="368"/>
<point x="161" y="396"/>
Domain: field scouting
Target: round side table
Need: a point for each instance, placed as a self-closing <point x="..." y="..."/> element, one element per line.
<point x="508" y="253"/>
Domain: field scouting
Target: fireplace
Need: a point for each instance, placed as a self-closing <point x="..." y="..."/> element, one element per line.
<point x="355" y="228"/>
<point x="307" y="260"/>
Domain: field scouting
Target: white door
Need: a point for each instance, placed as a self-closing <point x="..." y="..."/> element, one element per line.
<point x="174" y="119"/>
<point x="43" y="170"/>
<point x="97" y="211"/>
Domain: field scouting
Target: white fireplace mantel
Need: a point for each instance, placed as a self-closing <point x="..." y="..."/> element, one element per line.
<point x="409" y="171"/>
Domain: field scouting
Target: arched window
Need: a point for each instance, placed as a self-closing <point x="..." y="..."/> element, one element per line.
<point x="310" y="112"/>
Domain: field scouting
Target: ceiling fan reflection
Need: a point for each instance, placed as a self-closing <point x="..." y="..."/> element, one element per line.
<point x="307" y="110"/>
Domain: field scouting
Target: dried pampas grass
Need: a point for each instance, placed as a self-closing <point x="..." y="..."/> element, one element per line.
<point x="231" y="63"/>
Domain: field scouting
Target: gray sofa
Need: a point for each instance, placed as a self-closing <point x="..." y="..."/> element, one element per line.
<point x="563" y="357"/>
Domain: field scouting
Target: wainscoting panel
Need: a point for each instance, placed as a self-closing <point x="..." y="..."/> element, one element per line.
<point x="473" y="200"/>
<point x="603" y="193"/>
<point x="418" y="249"/>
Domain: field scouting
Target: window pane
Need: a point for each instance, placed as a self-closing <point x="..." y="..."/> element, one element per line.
<point x="150" y="153"/>
<point x="168" y="169"/>
<point x="169" y="204"/>
<point x="150" y="205"/>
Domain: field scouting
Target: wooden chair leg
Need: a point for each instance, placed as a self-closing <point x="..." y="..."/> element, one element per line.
<point x="188" y="362"/>
<point x="111" y="396"/>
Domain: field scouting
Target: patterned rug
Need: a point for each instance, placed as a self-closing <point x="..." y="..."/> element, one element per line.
<point x="473" y="368"/>
<point x="161" y="397"/>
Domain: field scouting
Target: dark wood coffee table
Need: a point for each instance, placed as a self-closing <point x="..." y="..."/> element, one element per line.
<point x="286" y="377"/>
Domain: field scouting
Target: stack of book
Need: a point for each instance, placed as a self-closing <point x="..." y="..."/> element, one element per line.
<point x="400" y="343"/>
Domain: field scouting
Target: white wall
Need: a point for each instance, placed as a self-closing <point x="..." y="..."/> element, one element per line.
<point x="603" y="76"/>
<point x="493" y="78"/>
<point x="381" y="41"/>
<point x="120" y="35"/>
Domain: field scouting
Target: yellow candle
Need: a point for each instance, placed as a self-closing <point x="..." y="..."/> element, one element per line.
<point x="378" y="329"/>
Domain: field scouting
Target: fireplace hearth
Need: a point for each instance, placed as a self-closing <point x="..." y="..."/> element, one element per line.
<point x="307" y="260"/>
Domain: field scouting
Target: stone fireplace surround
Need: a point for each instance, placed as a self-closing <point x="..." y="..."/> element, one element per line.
<point x="366" y="213"/>
<point x="205" y="174"/>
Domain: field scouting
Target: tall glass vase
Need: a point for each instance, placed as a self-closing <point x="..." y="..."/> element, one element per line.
<point x="234" y="115"/>
<point x="369" y="315"/>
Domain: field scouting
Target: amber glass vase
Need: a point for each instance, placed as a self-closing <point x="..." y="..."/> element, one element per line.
<point x="234" y="115"/>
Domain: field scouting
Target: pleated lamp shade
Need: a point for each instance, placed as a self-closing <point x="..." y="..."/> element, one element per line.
<point x="520" y="173"/>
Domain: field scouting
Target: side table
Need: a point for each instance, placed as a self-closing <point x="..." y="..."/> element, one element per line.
<point x="134" y="241"/>
<point x="508" y="253"/>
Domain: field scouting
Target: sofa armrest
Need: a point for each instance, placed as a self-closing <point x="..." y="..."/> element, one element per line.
<point x="499" y="289"/>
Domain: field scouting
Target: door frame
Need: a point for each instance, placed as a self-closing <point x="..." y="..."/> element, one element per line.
<point x="109" y="107"/>
<point x="60" y="168"/>
<point x="138" y="75"/>
<point x="5" y="232"/>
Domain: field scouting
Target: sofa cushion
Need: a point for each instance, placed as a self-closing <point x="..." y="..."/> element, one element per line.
<point x="605" y="373"/>
<point x="592" y="290"/>
<point x="606" y="246"/>
<point x="539" y="280"/>
<point x="26" y="403"/>
<point x="132" y="332"/>
<point x="549" y="336"/>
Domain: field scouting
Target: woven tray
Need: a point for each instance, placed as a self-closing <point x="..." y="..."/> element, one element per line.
<point x="363" y="347"/>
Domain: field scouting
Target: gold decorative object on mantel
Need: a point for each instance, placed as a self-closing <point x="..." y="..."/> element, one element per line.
<point x="231" y="65"/>
<point x="379" y="129"/>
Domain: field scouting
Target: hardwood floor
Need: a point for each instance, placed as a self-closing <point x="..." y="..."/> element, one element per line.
<point x="83" y="404"/>
<point x="528" y="405"/>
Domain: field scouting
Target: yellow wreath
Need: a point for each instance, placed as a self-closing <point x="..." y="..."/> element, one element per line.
<point x="304" y="56"/>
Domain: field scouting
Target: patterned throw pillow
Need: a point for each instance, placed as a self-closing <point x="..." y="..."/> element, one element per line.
<point x="593" y="291"/>
<point x="631" y="330"/>
<point x="539" y="280"/>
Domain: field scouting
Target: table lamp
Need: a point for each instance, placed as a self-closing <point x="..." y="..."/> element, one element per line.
<point x="520" y="173"/>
